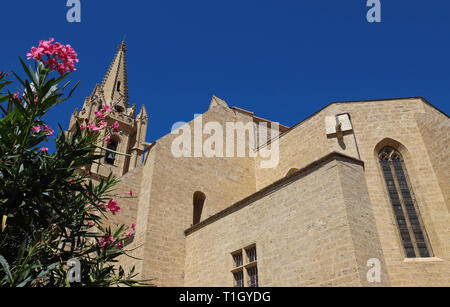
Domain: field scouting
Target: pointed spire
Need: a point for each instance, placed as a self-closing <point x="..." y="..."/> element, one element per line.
<point x="143" y="114"/>
<point x="115" y="83"/>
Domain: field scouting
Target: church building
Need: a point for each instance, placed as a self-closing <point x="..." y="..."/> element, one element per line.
<point x="359" y="196"/>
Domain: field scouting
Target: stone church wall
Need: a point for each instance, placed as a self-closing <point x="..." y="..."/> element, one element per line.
<point x="393" y="122"/>
<point x="166" y="203"/>
<point x="364" y="211"/>
<point x="307" y="231"/>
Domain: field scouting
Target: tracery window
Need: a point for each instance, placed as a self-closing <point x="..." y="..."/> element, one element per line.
<point x="410" y="225"/>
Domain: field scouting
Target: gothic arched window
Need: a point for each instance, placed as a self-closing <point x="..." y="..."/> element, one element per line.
<point x="199" y="201"/>
<point x="412" y="231"/>
<point x="110" y="157"/>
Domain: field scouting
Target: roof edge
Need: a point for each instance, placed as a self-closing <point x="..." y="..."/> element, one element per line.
<point x="349" y="101"/>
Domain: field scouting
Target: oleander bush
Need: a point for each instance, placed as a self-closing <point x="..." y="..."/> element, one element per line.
<point x="50" y="210"/>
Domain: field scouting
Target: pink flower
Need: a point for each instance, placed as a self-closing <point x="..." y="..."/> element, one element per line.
<point x="82" y="128"/>
<point x="120" y="245"/>
<point x="102" y="242"/>
<point x="48" y="131"/>
<point x="103" y="124"/>
<point x="100" y="115"/>
<point x="113" y="207"/>
<point x="44" y="149"/>
<point x="93" y="127"/>
<point x="133" y="226"/>
<point x="131" y="193"/>
<point x="107" y="139"/>
<point x="129" y="235"/>
<point x="16" y="96"/>
<point x="106" y="108"/>
<point x="36" y="129"/>
<point x="58" y="57"/>
<point x="105" y="240"/>
<point x="90" y="223"/>
<point x="115" y="127"/>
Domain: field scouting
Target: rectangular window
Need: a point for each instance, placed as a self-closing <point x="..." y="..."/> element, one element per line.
<point x="239" y="279"/>
<point x="251" y="254"/>
<point x="252" y="276"/>
<point x="237" y="259"/>
<point x="245" y="270"/>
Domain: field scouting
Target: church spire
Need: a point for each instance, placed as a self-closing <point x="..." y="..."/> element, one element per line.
<point x="115" y="83"/>
<point x="143" y="114"/>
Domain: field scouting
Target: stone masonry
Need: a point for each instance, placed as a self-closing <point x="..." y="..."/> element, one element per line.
<point x="316" y="218"/>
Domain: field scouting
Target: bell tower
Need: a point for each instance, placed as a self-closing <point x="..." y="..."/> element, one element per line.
<point x="113" y="92"/>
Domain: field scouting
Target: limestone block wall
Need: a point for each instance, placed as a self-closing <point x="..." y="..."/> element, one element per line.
<point x="393" y="123"/>
<point x="360" y="217"/>
<point x="128" y="208"/>
<point x="166" y="203"/>
<point x="435" y="129"/>
<point x="416" y="129"/>
<point x="304" y="143"/>
<point x="361" y="220"/>
<point x="128" y="203"/>
<point x="306" y="229"/>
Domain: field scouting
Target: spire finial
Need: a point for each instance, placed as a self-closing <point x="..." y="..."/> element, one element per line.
<point x="115" y="83"/>
<point x="122" y="46"/>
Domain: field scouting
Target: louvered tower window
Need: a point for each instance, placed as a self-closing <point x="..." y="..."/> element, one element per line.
<point x="110" y="157"/>
<point x="410" y="225"/>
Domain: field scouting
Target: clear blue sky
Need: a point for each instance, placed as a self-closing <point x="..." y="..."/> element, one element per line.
<point x="284" y="60"/>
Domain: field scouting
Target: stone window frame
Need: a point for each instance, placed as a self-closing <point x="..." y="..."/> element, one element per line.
<point x="242" y="266"/>
<point x="396" y="195"/>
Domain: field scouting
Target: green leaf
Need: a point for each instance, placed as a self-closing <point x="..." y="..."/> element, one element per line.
<point x="24" y="283"/>
<point x="118" y="231"/>
<point x="27" y="71"/>
<point x="48" y="269"/>
<point x="5" y="266"/>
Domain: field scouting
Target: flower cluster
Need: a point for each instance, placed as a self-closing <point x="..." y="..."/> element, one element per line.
<point x="105" y="240"/>
<point x="59" y="57"/>
<point x="16" y="96"/>
<point x="112" y="207"/>
<point x="43" y="129"/>
<point x="115" y="127"/>
<point x="108" y="239"/>
<point x="100" y="123"/>
<point x="131" y="232"/>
